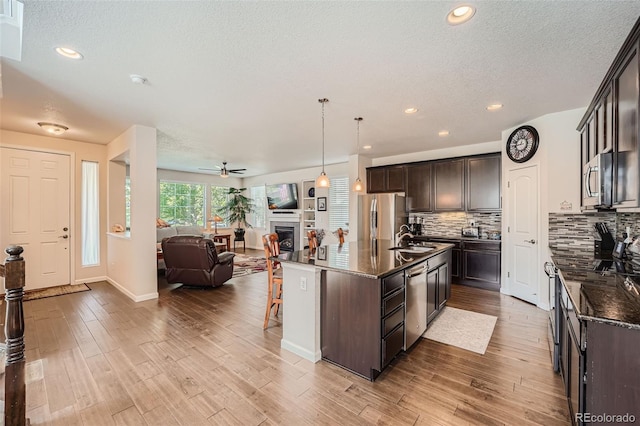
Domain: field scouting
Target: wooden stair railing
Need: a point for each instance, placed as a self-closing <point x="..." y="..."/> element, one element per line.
<point x="14" y="373"/>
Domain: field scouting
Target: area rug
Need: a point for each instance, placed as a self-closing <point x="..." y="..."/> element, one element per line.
<point x="246" y="265"/>
<point x="54" y="291"/>
<point x="464" y="329"/>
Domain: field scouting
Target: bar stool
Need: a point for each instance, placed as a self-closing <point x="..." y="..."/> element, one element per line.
<point x="313" y="240"/>
<point x="274" y="292"/>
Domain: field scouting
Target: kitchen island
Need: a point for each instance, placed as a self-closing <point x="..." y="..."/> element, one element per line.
<point x="348" y="304"/>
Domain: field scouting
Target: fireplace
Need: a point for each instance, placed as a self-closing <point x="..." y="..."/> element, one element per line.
<point x="288" y="234"/>
<point x="286" y="238"/>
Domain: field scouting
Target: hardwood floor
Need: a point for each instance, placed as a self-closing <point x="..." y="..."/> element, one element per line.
<point x="199" y="357"/>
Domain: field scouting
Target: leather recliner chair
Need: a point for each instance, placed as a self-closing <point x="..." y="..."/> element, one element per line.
<point x="192" y="260"/>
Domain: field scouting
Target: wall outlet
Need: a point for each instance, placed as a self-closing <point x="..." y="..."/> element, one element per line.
<point x="303" y="283"/>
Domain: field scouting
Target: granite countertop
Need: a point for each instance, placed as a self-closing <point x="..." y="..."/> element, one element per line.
<point x="372" y="259"/>
<point x="602" y="290"/>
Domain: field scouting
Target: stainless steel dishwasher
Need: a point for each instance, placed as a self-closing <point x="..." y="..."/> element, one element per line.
<point x="415" y="323"/>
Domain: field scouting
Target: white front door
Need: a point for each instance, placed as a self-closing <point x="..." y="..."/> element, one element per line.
<point x="34" y="192"/>
<point x="523" y="237"/>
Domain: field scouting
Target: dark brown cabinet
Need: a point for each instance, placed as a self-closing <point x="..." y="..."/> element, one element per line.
<point x="611" y="124"/>
<point x="448" y="185"/>
<point x="483" y="183"/>
<point x="438" y="285"/>
<point x="362" y="321"/>
<point x="385" y="179"/>
<point x="473" y="262"/>
<point x="419" y="193"/>
<point x="626" y="173"/>
<point x="481" y="265"/>
<point x="457" y="184"/>
<point x="599" y="365"/>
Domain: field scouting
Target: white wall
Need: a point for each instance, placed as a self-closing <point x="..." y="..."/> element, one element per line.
<point x="131" y="261"/>
<point x="83" y="151"/>
<point x="253" y="236"/>
<point x="558" y="161"/>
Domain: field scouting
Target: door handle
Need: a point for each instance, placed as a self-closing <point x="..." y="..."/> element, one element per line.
<point x="65" y="236"/>
<point x="531" y="241"/>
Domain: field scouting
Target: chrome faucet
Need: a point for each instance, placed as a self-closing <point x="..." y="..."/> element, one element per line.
<point x="400" y="236"/>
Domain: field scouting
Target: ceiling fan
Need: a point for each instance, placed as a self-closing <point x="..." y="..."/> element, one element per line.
<point x="224" y="172"/>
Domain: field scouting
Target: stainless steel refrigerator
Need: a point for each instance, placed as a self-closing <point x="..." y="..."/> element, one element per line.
<point x="381" y="216"/>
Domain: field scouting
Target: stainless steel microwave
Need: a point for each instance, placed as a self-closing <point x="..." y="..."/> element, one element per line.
<point x="597" y="182"/>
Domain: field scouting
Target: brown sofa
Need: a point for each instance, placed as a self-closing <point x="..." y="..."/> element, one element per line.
<point x="193" y="260"/>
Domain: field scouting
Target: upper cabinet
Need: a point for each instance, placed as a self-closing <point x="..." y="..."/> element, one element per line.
<point x="610" y="124"/>
<point x="448" y="185"/>
<point x="385" y="179"/>
<point x="483" y="183"/>
<point x="455" y="184"/>
<point x="626" y="172"/>
<point x="418" y="194"/>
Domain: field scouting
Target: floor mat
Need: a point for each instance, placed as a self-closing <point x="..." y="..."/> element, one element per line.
<point x="464" y="329"/>
<point x="54" y="291"/>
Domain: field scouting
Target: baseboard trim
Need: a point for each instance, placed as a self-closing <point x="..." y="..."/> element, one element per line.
<point x="130" y="295"/>
<point x="300" y="351"/>
<point x="90" y="280"/>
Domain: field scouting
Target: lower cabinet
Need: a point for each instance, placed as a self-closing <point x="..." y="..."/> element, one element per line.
<point x="438" y="285"/>
<point x="481" y="265"/>
<point x="473" y="262"/>
<point x="600" y="368"/>
<point x="362" y="321"/>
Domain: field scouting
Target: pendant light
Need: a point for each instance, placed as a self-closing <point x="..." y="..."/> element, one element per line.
<point x="357" y="185"/>
<point x="323" y="180"/>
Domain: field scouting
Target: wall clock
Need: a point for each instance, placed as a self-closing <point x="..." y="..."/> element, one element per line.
<point x="522" y="144"/>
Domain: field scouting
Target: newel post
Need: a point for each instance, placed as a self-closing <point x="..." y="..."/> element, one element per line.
<point x="14" y="379"/>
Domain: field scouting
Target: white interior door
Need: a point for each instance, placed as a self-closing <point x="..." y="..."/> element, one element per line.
<point x="523" y="233"/>
<point x="35" y="194"/>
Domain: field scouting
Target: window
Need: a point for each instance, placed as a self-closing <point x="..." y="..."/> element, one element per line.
<point x="259" y="216"/>
<point x="127" y="202"/>
<point x="339" y="204"/>
<point x="219" y="199"/>
<point x="90" y="215"/>
<point x="182" y="203"/>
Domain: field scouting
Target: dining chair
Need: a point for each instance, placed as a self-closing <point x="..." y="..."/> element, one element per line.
<point x="274" y="292"/>
<point x="313" y="240"/>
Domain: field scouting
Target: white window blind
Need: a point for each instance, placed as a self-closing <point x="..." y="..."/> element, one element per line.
<point x="339" y="204"/>
<point x="90" y="214"/>
<point x="258" y="197"/>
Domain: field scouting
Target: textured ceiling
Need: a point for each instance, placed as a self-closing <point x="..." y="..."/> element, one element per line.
<point x="239" y="81"/>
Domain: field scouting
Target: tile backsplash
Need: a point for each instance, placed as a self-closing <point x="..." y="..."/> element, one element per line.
<point x="451" y="224"/>
<point x="576" y="231"/>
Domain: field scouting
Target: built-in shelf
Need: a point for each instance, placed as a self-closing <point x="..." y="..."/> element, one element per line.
<point x="308" y="210"/>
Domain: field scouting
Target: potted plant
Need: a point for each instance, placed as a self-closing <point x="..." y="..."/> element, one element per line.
<point x="236" y="210"/>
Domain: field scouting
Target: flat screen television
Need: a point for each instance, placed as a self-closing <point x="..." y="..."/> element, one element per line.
<point x="282" y="196"/>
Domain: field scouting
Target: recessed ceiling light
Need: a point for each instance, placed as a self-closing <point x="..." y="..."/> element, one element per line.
<point x="494" y="107"/>
<point x="138" y="79"/>
<point x="366" y="147"/>
<point x="53" y="128"/>
<point x="461" y="14"/>
<point x="443" y="133"/>
<point x="69" y="53"/>
<point x="411" y="110"/>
